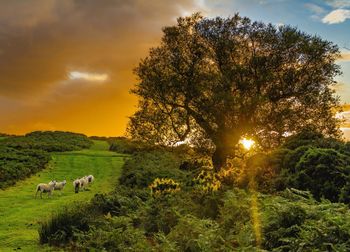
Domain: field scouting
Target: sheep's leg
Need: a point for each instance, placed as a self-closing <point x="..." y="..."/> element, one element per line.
<point x="76" y="188"/>
<point x="41" y="194"/>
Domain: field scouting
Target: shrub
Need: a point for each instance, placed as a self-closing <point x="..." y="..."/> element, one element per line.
<point x="160" y="214"/>
<point x="144" y="167"/>
<point x="235" y="218"/>
<point x="322" y="171"/>
<point x="325" y="172"/>
<point x="120" y="202"/>
<point x="192" y="234"/>
<point x="127" y="146"/>
<point x="164" y="186"/>
<point x="207" y="181"/>
<point x="296" y="222"/>
<point x="285" y="223"/>
<point x="113" y="234"/>
<point x="236" y="206"/>
<point x="60" y="228"/>
<point x="19" y="164"/>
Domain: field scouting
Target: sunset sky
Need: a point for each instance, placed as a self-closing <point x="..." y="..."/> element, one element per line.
<point x="67" y="64"/>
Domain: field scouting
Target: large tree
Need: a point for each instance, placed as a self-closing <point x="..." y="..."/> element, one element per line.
<point x="213" y="81"/>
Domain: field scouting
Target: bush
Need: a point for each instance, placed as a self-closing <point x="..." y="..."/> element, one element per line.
<point x="144" y="167"/>
<point x="127" y="146"/>
<point x="164" y="186"/>
<point x="207" y="181"/>
<point x="285" y="223"/>
<point x="192" y="234"/>
<point x="307" y="161"/>
<point x="59" y="229"/>
<point x="161" y="214"/>
<point x="120" y="202"/>
<point x="19" y="164"/>
<point x="324" y="172"/>
<point x="113" y="234"/>
<point x="296" y="222"/>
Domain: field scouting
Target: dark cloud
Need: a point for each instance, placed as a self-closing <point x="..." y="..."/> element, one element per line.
<point x="42" y="40"/>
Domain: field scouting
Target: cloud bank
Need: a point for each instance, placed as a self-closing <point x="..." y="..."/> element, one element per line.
<point x="44" y="42"/>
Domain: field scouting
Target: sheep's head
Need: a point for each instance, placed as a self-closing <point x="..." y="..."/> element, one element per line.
<point x="53" y="182"/>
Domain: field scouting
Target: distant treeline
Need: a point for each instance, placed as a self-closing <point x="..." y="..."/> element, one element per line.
<point x="49" y="141"/>
<point x="22" y="156"/>
<point x="5" y="135"/>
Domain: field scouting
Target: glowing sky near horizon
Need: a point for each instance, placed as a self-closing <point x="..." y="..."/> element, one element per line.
<point x="67" y="64"/>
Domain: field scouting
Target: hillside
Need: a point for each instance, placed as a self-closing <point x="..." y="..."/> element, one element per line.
<point x="163" y="202"/>
<point x="21" y="213"/>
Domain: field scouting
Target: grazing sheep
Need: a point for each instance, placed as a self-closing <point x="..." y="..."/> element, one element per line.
<point x="80" y="183"/>
<point x="90" y="179"/>
<point x="76" y="185"/>
<point x="43" y="188"/>
<point x="83" y="183"/>
<point x="60" y="185"/>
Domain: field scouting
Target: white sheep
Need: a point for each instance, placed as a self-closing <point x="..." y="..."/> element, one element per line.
<point x="90" y="178"/>
<point x="76" y="185"/>
<point x="60" y="185"/>
<point x="45" y="188"/>
<point x="83" y="182"/>
<point x="80" y="183"/>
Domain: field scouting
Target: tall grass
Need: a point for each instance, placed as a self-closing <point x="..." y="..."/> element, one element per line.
<point x="59" y="229"/>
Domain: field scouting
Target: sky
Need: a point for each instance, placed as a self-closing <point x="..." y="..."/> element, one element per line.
<point x="67" y="64"/>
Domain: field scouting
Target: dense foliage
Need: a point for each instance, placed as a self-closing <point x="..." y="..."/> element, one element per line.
<point x="307" y="161"/>
<point x="144" y="167"/>
<point x="22" y="156"/>
<point x="126" y="146"/>
<point x="19" y="164"/>
<point x="213" y="80"/>
<point x="131" y="218"/>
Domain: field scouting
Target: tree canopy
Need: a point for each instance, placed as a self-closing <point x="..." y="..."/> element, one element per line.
<point x="213" y="81"/>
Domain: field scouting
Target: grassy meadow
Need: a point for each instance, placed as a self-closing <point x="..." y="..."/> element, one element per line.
<point x="21" y="213"/>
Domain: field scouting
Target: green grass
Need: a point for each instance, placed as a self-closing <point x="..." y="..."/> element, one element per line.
<point x="21" y="213"/>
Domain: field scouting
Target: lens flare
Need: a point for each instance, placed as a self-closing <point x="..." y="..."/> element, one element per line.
<point x="247" y="143"/>
<point x="255" y="218"/>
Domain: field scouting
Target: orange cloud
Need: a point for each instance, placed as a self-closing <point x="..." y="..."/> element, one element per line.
<point x="47" y="40"/>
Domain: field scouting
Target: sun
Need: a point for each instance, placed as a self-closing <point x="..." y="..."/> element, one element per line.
<point x="247" y="143"/>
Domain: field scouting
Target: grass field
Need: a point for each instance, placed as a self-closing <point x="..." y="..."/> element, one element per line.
<point x="21" y="213"/>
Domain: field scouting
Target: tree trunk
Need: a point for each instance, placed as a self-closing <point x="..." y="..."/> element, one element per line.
<point x="219" y="157"/>
<point x="225" y="147"/>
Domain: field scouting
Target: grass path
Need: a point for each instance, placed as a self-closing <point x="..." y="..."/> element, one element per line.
<point x="21" y="213"/>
